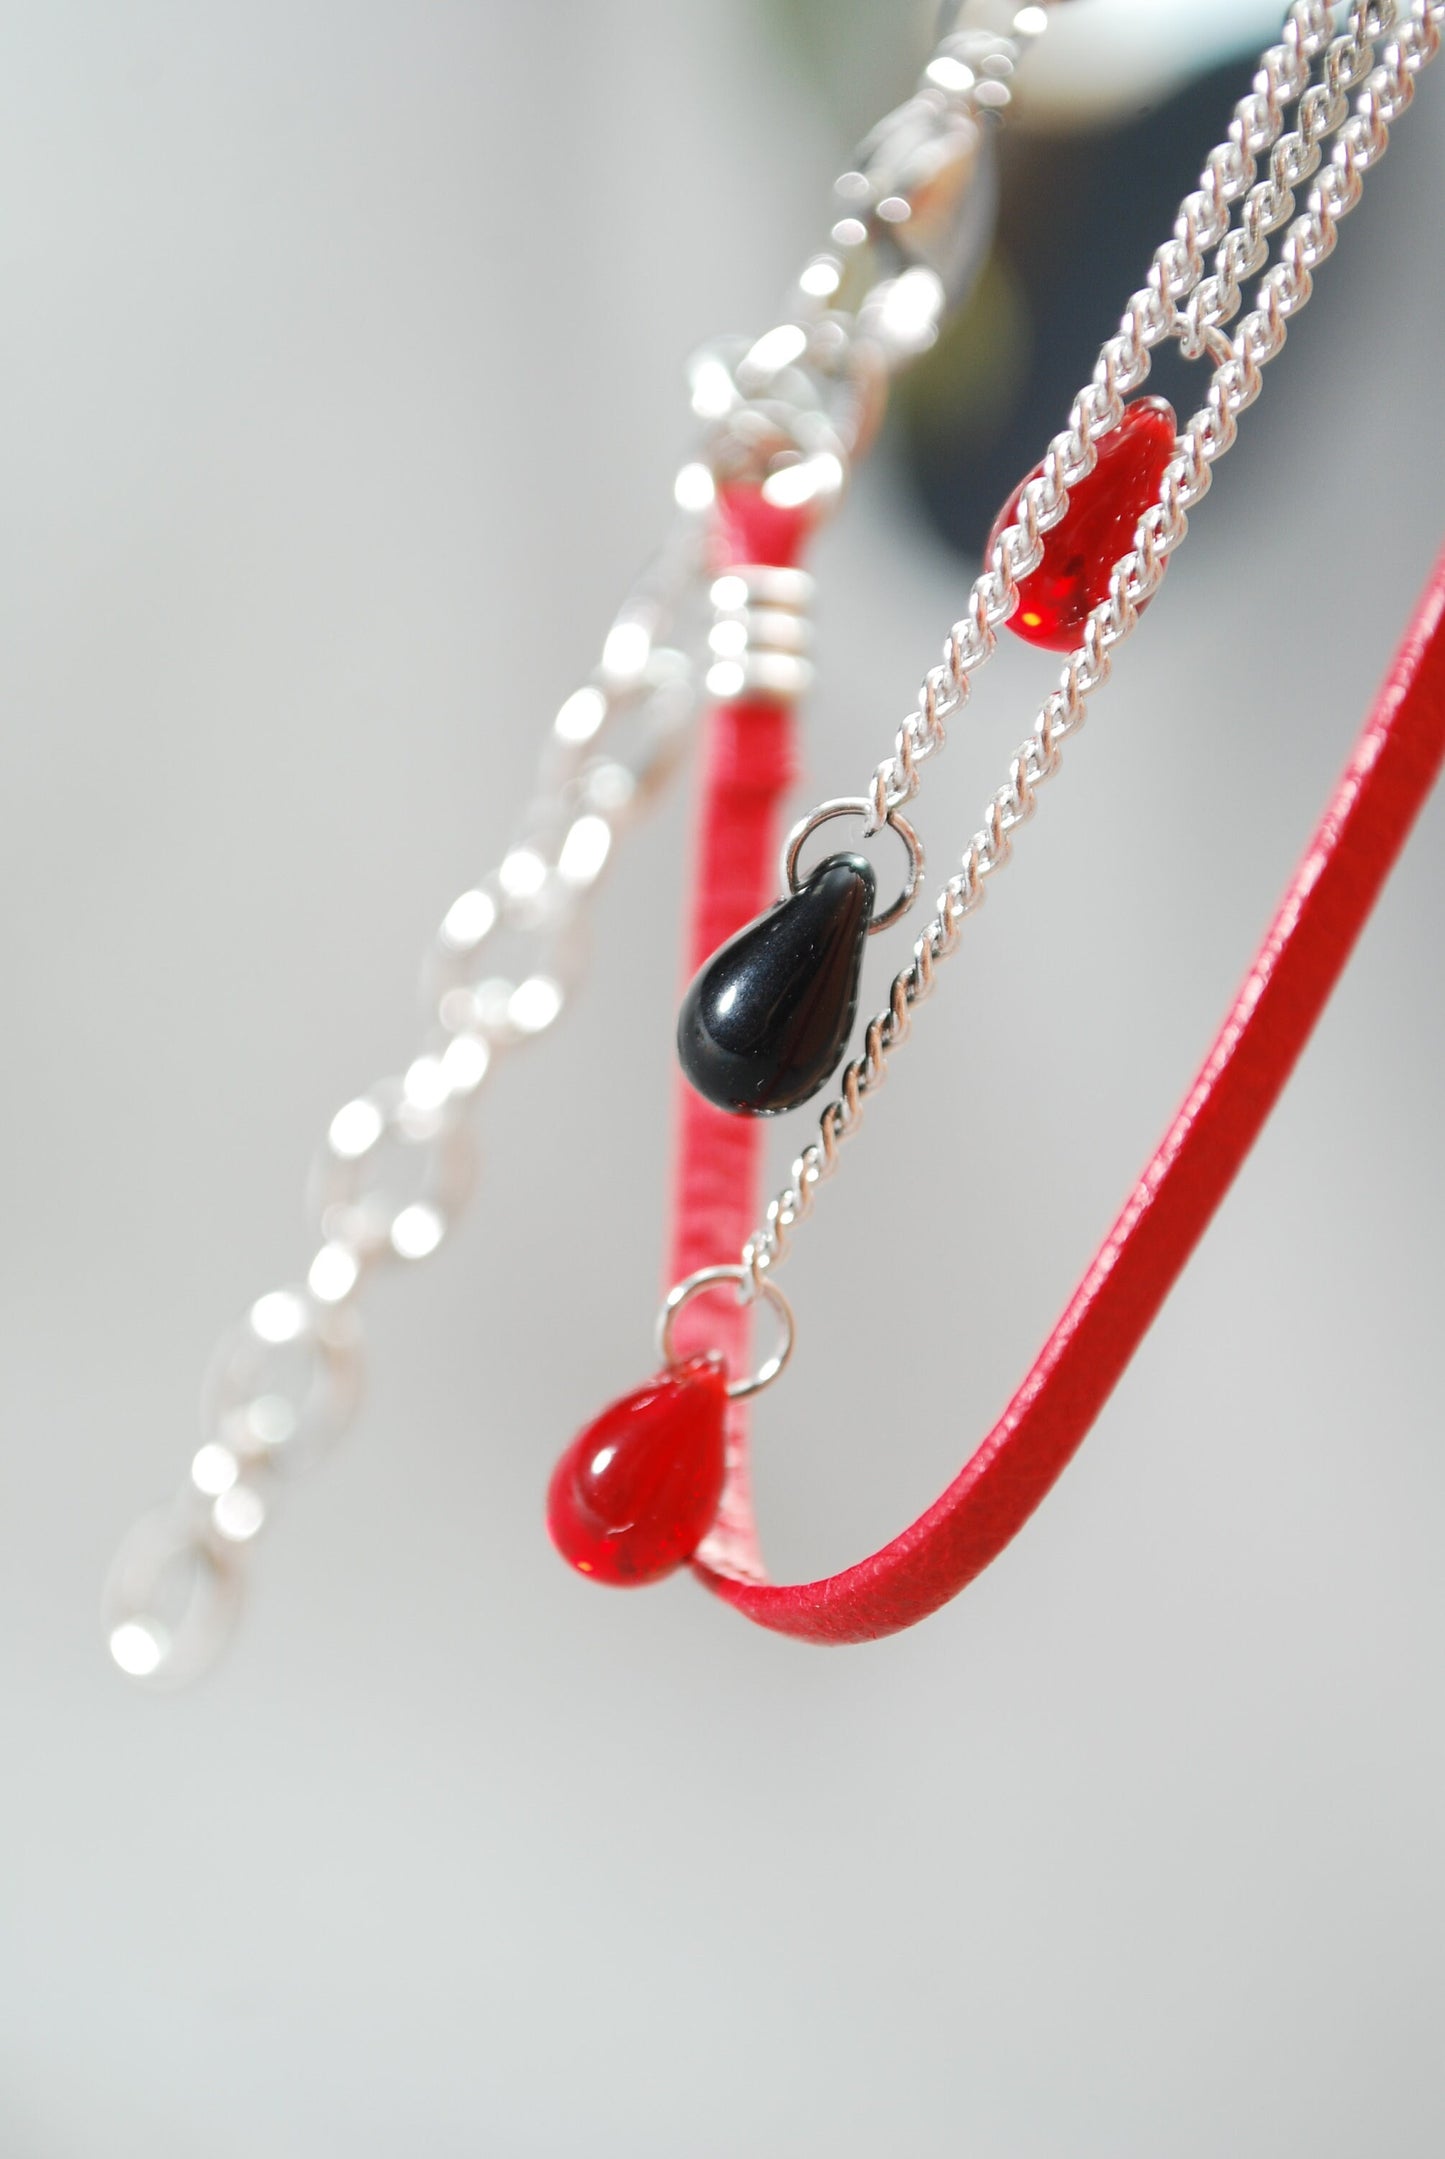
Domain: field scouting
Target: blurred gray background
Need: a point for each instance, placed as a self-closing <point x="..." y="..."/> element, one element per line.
<point x="342" y="358"/>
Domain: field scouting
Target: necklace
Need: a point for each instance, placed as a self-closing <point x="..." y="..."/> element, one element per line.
<point x="287" y="1381"/>
<point x="1075" y="557"/>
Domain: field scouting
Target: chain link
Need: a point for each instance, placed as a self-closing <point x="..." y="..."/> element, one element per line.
<point x="1153" y="314"/>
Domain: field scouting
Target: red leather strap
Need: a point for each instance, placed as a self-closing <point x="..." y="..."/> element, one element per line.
<point x="750" y="754"/>
<point x="1393" y="767"/>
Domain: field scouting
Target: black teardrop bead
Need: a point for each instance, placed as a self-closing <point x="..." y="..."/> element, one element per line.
<point x="765" y="1022"/>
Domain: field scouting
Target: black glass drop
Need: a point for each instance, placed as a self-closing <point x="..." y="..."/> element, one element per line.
<point x="765" y="1022"/>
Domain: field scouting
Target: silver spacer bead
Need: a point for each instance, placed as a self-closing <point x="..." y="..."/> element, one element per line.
<point x="761" y="634"/>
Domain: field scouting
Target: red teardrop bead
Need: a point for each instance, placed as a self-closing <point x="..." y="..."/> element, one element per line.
<point x="1095" y="530"/>
<point x="637" y="1491"/>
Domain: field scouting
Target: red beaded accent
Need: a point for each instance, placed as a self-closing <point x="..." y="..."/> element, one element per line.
<point x="636" y="1492"/>
<point x="1097" y="528"/>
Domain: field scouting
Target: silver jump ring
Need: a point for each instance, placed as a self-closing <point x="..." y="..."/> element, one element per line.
<point x="1198" y="341"/>
<point x="858" y="806"/>
<point x="705" y="1278"/>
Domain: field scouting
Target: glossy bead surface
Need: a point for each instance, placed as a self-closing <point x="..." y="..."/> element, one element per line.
<point x="637" y="1491"/>
<point x="765" y="1022"/>
<point x="1095" y="530"/>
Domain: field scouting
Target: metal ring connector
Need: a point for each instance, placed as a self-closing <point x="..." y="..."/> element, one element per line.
<point x="858" y="806"/>
<point x="705" y="1278"/>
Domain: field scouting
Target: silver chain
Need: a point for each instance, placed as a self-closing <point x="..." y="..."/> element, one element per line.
<point x="791" y="410"/>
<point x="1151" y="317"/>
<point x="1178" y="301"/>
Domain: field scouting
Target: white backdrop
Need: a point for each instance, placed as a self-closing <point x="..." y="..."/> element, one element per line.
<point x="341" y="359"/>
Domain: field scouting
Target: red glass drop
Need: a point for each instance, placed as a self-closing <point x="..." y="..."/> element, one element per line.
<point x="637" y="1491"/>
<point x="1095" y="530"/>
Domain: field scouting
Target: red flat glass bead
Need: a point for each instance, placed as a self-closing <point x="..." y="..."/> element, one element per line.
<point x="637" y="1491"/>
<point x="1095" y="530"/>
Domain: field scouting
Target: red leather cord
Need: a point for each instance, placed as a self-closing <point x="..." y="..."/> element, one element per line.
<point x="1389" y="775"/>
<point x="749" y="765"/>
